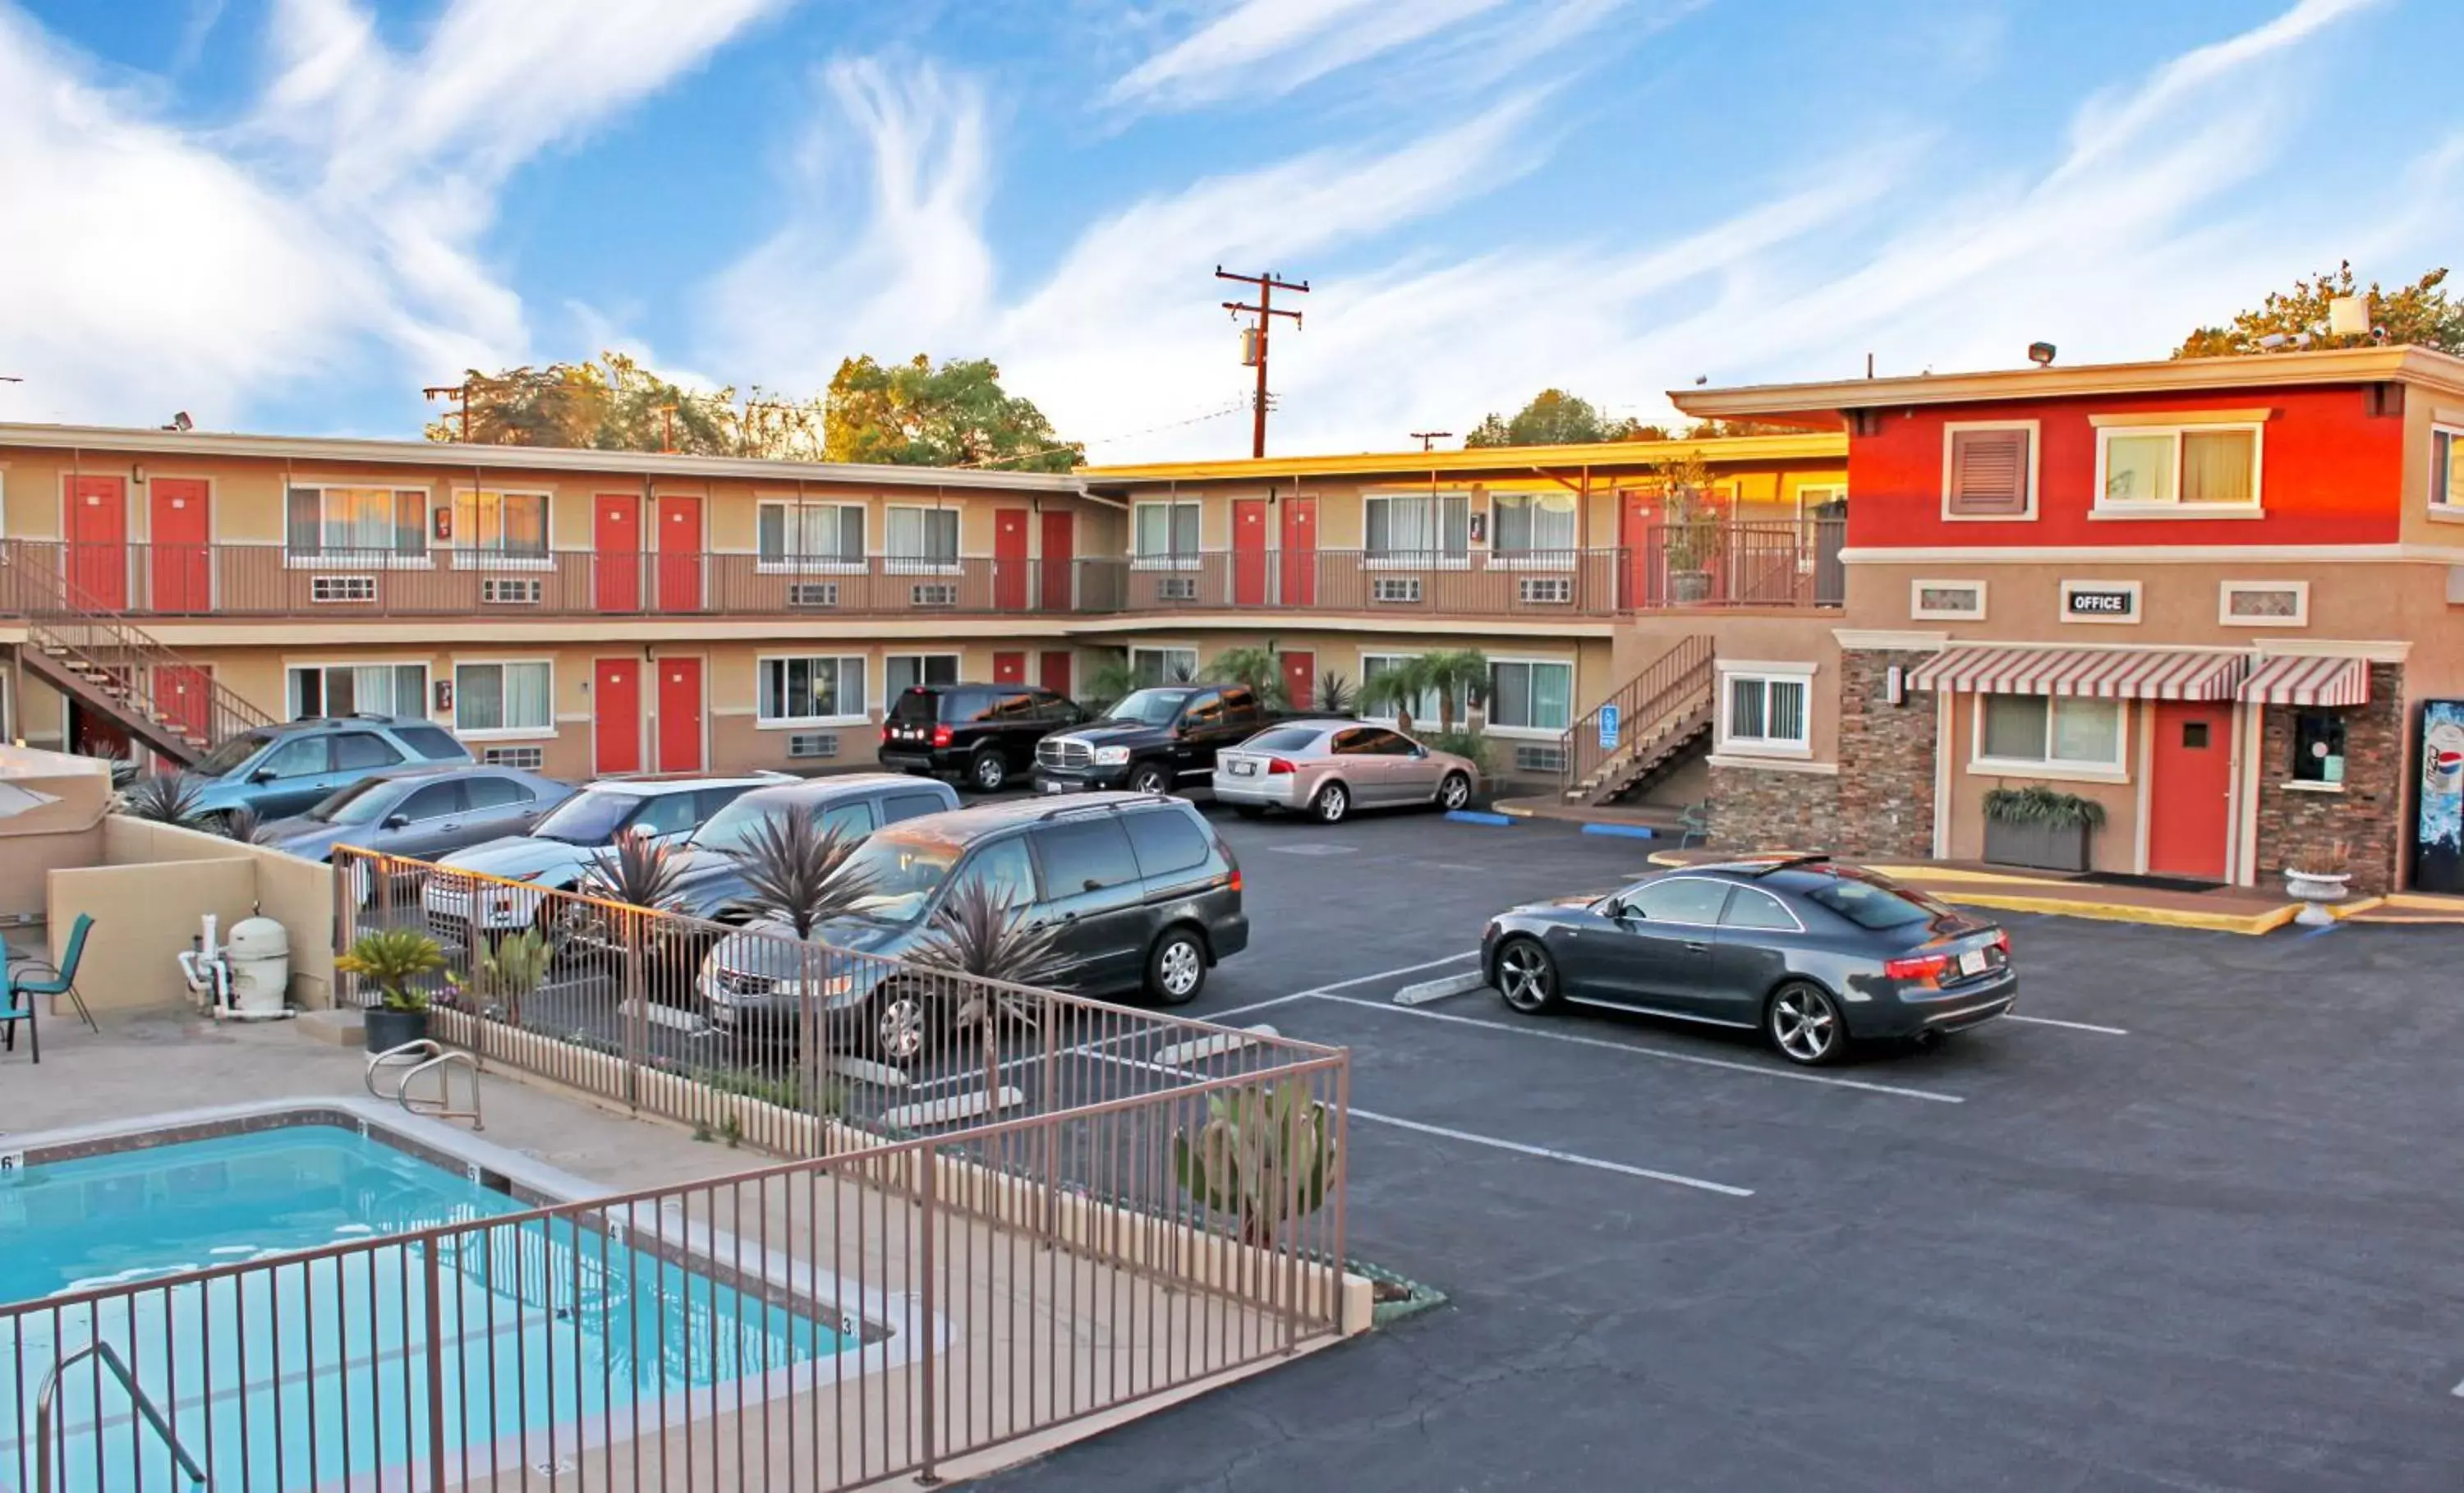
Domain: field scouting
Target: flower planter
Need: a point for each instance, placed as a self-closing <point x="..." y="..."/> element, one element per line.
<point x="2313" y="891"/>
<point x="2044" y="847"/>
<point x="385" y="1030"/>
<point x="1689" y="585"/>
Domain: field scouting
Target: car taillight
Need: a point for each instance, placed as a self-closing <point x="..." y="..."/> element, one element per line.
<point x="885" y="733"/>
<point x="1235" y="882"/>
<point x="1276" y="764"/>
<point x="2002" y="941"/>
<point x="1922" y="969"/>
<point x="941" y="735"/>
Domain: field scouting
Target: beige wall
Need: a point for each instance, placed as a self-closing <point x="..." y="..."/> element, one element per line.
<point x="144" y="918"/>
<point x="2115" y="847"/>
<point x="296" y="893"/>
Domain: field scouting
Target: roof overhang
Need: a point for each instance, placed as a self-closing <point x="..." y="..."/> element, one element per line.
<point x="1500" y="461"/>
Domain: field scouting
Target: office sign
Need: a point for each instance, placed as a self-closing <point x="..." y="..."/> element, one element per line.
<point x="2099" y="601"/>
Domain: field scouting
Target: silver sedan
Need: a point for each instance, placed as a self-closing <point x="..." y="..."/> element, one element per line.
<point x="1328" y="768"/>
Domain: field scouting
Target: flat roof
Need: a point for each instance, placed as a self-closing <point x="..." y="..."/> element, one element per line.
<point x="2258" y="370"/>
<point x="1812" y="446"/>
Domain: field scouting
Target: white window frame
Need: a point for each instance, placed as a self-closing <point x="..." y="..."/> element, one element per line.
<point x="464" y="548"/>
<point x="957" y="670"/>
<point x="2138" y="603"/>
<point x="1167" y="558"/>
<point x="799" y="564"/>
<point x="1167" y="650"/>
<point x="1552" y="558"/>
<point x="2177" y="426"/>
<point x="1422" y="721"/>
<point x="1917" y="611"/>
<point x="1839" y="489"/>
<point x="917" y="565"/>
<point x="2226" y="617"/>
<point x="1439" y="559"/>
<point x="1490" y="724"/>
<point x="2452" y="507"/>
<point x="545" y="733"/>
<point x="858" y="717"/>
<point x="2053" y="768"/>
<point x="389" y="559"/>
<point x="424" y="708"/>
<point x="2036" y="457"/>
<point x="1766" y="674"/>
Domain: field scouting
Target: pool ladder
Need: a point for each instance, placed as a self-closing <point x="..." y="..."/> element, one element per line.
<point x="424" y="1055"/>
<point x="109" y="1357"/>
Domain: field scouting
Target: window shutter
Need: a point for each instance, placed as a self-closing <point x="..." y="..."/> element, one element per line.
<point x="1989" y="473"/>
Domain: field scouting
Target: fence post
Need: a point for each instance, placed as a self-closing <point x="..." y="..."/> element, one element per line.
<point x="435" y="1314"/>
<point x="636" y="1012"/>
<point x="929" y="1154"/>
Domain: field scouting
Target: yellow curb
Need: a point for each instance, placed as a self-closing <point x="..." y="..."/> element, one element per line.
<point x="2251" y="923"/>
<point x="1951" y="873"/>
<point x="1512" y="812"/>
<point x="2424" y="901"/>
<point x="2340" y="911"/>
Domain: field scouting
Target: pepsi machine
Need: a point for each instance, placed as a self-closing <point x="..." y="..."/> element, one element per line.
<point x="2438" y="825"/>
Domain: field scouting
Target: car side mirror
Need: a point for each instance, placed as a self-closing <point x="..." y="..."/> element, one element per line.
<point x="397" y="821"/>
<point x="261" y="775"/>
<point x="1419" y="750"/>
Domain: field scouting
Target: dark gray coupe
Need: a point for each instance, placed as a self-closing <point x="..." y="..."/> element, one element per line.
<point x="1813" y="953"/>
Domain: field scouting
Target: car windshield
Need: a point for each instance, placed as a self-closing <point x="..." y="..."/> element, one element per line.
<point x="362" y="802"/>
<point x="226" y="758"/>
<point x="727" y="829"/>
<point x="900" y="873"/>
<point x="588" y="817"/>
<point x="1149" y="707"/>
<point x="1874" y="904"/>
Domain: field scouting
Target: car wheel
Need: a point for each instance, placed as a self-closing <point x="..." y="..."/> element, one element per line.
<point x="1177" y="968"/>
<point x="1804" y="1023"/>
<point x="1250" y="810"/>
<point x="902" y="1025"/>
<point x="1526" y="977"/>
<point x="1332" y="803"/>
<point x="989" y="770"/>
<point x="1148" y="778"/>
<point x="1454" y="793"/>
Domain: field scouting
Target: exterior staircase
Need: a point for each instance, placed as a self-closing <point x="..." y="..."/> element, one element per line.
<point x="1663" y="717"/>
<point x="161" y="699"/>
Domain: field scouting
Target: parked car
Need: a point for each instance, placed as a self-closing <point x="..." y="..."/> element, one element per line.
<point x="709" y="882"/>
<point x="1328" y="768"/>
<point x="1146" y="899"/>
<point x="982" y="733"/>
<point x="1814" y="953"/>
<point x="560" y="846"/>
<point x="1155" y="741"/>
<point x="420" y="812"/>
<point x="278" y="771"/>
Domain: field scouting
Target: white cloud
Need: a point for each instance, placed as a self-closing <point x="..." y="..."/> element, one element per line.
<point x="1264" y="46"/>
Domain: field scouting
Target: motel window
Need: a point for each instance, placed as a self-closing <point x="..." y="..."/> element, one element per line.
<point x="1533" y="522"/>
<point x="510" y="524"/>
<point x="2050" y="731"/>
<point x="799" y="691"/>
<point x="2319" y="746"/>
<point x="1531" y="696"/>
<point x="901" y="673"/>
<point x="1989" y="472"/>
<point x="1166" y="534"/>
<point x="1150" y="667"/>
<point x="1765" y="712"/>
<point x="357" y="690"/>
<point x="923" y="536"/>
<point x="351" y="522"/>
<point x="826" y="533"/>
<point x="2194" y="467"/>
<point x="2446" y="469"/>
<point x="1424" y="528"/>
<point x="1424" y="710"/>
<point x="504" y="697"/>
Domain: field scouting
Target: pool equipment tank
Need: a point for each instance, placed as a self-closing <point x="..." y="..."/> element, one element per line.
<point x="246" y="977"/>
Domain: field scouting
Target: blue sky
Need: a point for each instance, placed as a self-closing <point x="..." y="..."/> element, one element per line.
<point x="291" y="215"/>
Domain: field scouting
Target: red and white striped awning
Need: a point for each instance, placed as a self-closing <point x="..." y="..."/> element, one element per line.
<point x="2103" y="673"/>
<point x="2308" y="681"/>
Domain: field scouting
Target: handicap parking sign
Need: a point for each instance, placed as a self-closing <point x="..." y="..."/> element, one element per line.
<point x="1609" y="714"/>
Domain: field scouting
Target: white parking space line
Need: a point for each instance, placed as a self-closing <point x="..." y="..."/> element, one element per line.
<point x="1758" y="1069"/>
<point x="1547" y="1154"/>
<point x="1340" y="984"/>
<point x="2077" y="1026"/>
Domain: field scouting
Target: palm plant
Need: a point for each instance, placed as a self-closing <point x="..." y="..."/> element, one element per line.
<point x="791" y="867"/>
<point x="1398" y="688"/>
<point x="163" y="799"/>
<point x="1456" y="675"/>
<point x="392" y="960"/>
<point x="1258" y="669"/>
<point x="1108" y="685"/>
<point x="979" y="932"/>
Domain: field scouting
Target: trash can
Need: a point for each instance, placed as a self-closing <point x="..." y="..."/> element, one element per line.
<point x="259" y="952"/>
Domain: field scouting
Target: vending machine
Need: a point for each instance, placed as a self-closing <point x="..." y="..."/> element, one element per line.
<point x="2438" y="825"/>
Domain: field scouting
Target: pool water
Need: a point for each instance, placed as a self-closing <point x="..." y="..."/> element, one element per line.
<point x="293" y="1375"/>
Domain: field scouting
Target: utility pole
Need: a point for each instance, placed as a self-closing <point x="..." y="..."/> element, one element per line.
<point x="461" y="393"/>
<point x="1429" y="438"/>
<point x="1255" y="354"/>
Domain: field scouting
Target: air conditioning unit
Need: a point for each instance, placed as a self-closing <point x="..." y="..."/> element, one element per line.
<point x="1175" y="588"/>
<point x="814" y="744"/>
<point x="529" y="758"/>
<point x="935" y="593"/>
<point x="1530" y="758"/>
<point x="342" y="588"/>
<point x="512" y="590"/>
<point x="1399" y="590"/>
<point x="812" y="593"/>
<point x="1546" y="590"/>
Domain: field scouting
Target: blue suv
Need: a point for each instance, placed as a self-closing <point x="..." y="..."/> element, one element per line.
<point x="278" y="771"/>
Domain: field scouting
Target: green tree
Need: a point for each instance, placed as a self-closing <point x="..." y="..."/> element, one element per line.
<point x="1729" y="429"/>
<point x="2419" y="314"/>
<point x="1557" y="418"/>
<point x="916" y="414"/>
<point x="617" y="405"/>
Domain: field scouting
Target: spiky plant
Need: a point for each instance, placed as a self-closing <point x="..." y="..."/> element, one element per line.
<point x="505" y="975"/>
<point x="245" y="825"/>
<point x="1336" y="694"/>
<point x="163" y="799"/>
<point x="1265" y="1156"/>
<point x="391" y="959"/>
<point x="792" y="867"/>
<point x="636" y="870"/>
<point x="978" y="931"/>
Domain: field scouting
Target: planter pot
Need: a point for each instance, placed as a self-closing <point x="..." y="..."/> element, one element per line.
<point x="386" y="1030"/>
<point x="2044" y="847"/>
<point x="2314" y="892"/>
<point x="1689" y="585"/>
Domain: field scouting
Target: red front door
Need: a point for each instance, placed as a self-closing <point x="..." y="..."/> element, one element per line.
<point x="1059" y="540"/>
<point x="616" y="715"/>
<point x="1010" y="559"/>
<point x="616" y="538"/>
<point x="681" y="554"/>
<point x="1300" y="680"/>
<point x="179" y="532"/>
<point x="1249" y="552"/>
<point x="679" y="713"/>
<point x="1634" y="534"/>
<point x="96" y="526"/>
<point x="184" y="693"/>
<point x="1053" y="670"/>
<point x="1300" y="552"/>
<point x="2190" y="789"/>
<point x="1009" y="668"/>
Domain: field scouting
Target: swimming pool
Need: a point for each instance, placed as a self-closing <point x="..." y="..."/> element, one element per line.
<point x="345" y="1367"/>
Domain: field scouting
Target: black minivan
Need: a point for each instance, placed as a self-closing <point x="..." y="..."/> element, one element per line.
<point x="1146" y="899"/>
<point x="983" y="734"/>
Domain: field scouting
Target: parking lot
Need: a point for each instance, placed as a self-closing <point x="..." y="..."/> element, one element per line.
<point x="2190" y="1222"/>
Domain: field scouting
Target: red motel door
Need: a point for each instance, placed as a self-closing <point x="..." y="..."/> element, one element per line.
<point x="2190" y="789"/>
<point x="1060" y="550"/>
<point x="1636" y="532"/>
<point x="616" y="715"/>
<point x="1300" y="680"/>
<point x="184" y="696"/>
<point x="1249" y="552"/>
<point x="1052" y="670"/>
<point x="179" y="534"/>
<point x="616" y="536"/>
<point x="1009" y="668"/>
<point x="679" y="713"/>
<point x="1010" y="559"/>
<point x="681" y="554"/>
<point x="1300" y="552"/>
<point x="96" y="529"/>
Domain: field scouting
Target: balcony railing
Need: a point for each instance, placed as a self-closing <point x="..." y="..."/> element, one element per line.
<point x="1723" y="565"/>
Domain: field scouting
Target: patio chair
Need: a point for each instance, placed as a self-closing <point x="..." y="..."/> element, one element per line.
<point x="29" y="979"/>
<point x="1694" y="823"/>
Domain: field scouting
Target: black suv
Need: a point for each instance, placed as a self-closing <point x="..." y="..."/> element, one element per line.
<point x="1144" y="896"/>
<point x="1156" y="740"/>
<point x="982" y="733"/>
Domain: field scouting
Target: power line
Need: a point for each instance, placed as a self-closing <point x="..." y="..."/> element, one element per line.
<point x="1429" y="438"/>
<point x="1218" y="413"/>
<point x="1255" y="352"/>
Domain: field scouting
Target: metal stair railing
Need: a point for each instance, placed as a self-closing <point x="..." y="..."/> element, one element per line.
<point x="1640" y="703"/>
<point x="422" y="1055"/>
<point x="109" y="1357"/>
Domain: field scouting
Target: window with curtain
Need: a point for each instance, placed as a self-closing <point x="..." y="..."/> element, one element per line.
<point x="1165" y="532"/>
<point x="798" y="690"/>
<point x="2193" y="466"/>
<point x="1767" y="712"/>
<point x="1533" y="522"/>
<point x="823" y="533"/>
<point x="358" y="689"/>
<point x="510" y="524"/>
<point x="1422" y="527"/>
<point x="355" y="523"/>
<point x="2446" y="468"/>
<point x="1150" y="667"/>
<point x="2036" y="730"/>
<point x="504" y="697"/>
<point x="901" y="673"/>
<point x="924" y="536"/>
<point x="1531" y="696"/>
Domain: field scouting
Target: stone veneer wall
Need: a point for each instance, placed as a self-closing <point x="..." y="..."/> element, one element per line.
<point x="2367" y="815"/>
<point x="1879" y="806"/>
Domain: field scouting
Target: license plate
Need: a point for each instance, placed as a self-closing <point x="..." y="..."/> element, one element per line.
<point x="1973" y="962"/>
<point x="1056" y="787"/>
<point x="1245" y="769"/>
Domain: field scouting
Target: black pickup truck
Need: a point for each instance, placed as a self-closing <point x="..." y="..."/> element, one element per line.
<point x="1154" y="741"/>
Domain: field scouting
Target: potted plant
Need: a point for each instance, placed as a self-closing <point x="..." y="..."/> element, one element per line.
<point x="1691" y="523"/>
<point x="395" y="960"/>
<point x="2316" y="875"/>
<point x="2039" y="826"/>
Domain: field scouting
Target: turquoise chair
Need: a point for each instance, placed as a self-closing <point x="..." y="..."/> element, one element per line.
<point x="1693" y="824"/>
<point x="30" y="979"/>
